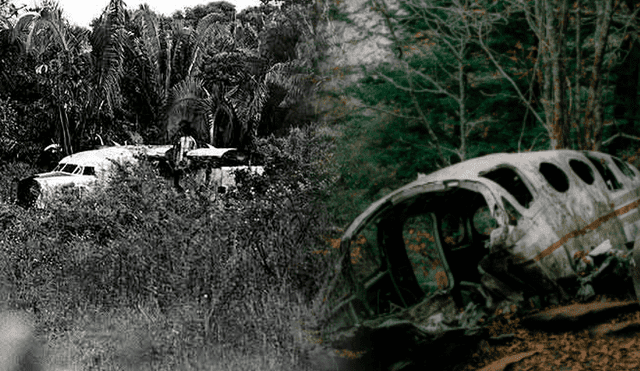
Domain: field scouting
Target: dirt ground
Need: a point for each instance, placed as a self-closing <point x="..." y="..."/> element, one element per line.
<point x="602" y="340"/>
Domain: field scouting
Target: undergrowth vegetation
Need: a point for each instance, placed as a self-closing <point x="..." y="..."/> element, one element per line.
<point x="239" y="267"/>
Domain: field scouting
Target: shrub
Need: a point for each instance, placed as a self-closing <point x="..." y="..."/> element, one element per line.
<point x="241" y="257"/>
<point x="11" y="173"/>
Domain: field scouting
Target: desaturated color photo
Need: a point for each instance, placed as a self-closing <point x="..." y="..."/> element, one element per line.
<point x="319" y="185"/>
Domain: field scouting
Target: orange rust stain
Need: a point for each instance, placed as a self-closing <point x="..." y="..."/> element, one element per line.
<point x="426" y="235"/>
<point x="346" y="353"/>
<point x="425" y="272"/>
<point x="594" y="225"/>
<point x="435" y="263"/>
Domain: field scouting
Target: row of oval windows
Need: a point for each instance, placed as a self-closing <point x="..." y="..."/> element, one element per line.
<point x="560" y="182"/>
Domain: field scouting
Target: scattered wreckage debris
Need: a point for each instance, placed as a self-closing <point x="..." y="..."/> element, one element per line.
<point x="495" y="235"/>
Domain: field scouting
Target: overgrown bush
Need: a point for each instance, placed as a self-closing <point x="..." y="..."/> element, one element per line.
<point x="242" y="258"/>
<point x="11" y="173"/>
<point x="18" y="141"/>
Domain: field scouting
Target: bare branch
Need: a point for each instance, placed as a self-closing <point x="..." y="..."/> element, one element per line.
<point x="438" y="85"/>
<point x="391" y="113"/>
<point x="440" y="90"/>
<point x="474" y="123"/>
<point x="534" y="141"/>
<point x="504" y="74"/>
<point x="530" y="91"/>
<point x="606" y="142"/>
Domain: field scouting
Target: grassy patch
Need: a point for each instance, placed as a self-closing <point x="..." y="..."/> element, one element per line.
<point x="146" y="338"/>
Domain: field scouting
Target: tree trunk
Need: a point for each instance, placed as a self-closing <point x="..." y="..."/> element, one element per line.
<point x="593" y="120"/>
<point x="555" y="42"/>
<point x="578" y="74"/>
<point x="461" y="110"/>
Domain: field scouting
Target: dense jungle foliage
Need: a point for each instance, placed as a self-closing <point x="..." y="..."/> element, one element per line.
<point x="136" y="76"/>
<point x="195" y="279"/>
<point x="466" y="78"/>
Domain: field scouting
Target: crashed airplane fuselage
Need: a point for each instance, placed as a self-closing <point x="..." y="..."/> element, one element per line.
<point x="81" y="171"/>
<point x="498" y="227"/>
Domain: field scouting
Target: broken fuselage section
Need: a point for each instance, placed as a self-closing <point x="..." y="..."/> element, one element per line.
<point x="502" y="227"/>
<point x="83" y="171"/>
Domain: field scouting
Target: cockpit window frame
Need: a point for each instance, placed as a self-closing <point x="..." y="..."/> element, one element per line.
<point x="65" y="169"/>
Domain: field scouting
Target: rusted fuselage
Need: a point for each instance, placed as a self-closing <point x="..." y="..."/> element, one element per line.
<point x="498" y="227"/>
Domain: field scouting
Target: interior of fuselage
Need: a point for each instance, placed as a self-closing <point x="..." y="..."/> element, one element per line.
<point x="421" y="244"/>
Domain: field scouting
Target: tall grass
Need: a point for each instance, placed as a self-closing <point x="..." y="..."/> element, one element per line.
<point x="195" y="272"/>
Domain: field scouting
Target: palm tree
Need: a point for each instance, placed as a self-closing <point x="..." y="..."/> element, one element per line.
<point x="45" y="35"/>
<point x="110" y="44"/>
<point x="170" y="53"/>
<point x="208" y="113"/>
<point x="232" y="86"/>
<point x="81" y="70"/>
<point x="213" y="77"/>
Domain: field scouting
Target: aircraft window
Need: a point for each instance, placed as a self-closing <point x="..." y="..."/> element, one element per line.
<point x="554" y="176"/>
<point x="582" y="170"/>
<point x="420" y="242"/>
<point x="89" y="170"/>
<point x="624" y="168"/>
<point x="68" y="168"/>
<point x="58" y="167"/>
<point x="483" y="221"/>
<point x="606" y="173"/>
<point x="510" y="180"/>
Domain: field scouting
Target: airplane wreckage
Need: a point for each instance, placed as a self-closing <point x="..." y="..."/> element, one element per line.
<point x="423" y="267"/>
<point x="83" y="170"/>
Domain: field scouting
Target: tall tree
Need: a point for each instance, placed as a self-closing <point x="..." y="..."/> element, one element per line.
<point x="59" y="52"/>
<point x="243" y="81"/>
<point x="80" y="70"/>
<point x="440" y="72"/>
<point x="578" y="44"/>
